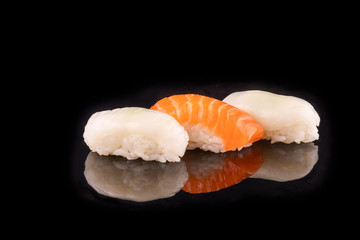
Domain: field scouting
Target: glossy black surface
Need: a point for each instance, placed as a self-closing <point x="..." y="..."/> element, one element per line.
<point x="203" y="172"/>
<point x="247" y="196"/>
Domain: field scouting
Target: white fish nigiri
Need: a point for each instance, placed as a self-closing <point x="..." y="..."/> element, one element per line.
<point x="134" y="132"/>
<point x="284" y="118"/>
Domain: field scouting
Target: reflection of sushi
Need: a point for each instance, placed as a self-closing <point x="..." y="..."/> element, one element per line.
<point x="284" y="118"/>
<point x="136" y="132"/>
<point x="134" y="180"/>
<point x="209" y="172"/>
<point x="211" y="124"/>
<point x="286" y="162"/>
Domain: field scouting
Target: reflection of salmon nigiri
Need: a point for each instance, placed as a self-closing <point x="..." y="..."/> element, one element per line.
<point x="211" y="124"/>
<point x="209" y="172"/>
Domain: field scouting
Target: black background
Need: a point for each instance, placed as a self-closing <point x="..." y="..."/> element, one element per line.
<point x="84" y="80"/>
<point x="62" y="66"/>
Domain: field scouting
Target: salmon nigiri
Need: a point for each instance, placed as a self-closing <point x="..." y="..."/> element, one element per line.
<point x="211" y="124"/>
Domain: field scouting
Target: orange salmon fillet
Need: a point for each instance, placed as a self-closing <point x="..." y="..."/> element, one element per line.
<point x="235" y="127"/>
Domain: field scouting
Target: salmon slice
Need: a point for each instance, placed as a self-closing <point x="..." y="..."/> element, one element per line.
<point x="211" y="124"/>
<point x="209" y="172"/>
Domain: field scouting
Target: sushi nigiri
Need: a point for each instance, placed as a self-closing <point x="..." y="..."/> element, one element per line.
<point x="284" y="118"/>
<point x="212" y="125"/>
<point x="134" y="132"/>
